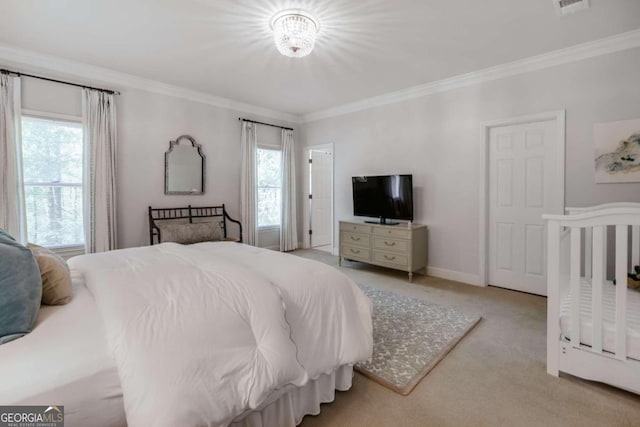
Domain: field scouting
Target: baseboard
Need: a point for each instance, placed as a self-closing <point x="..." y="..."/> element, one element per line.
<point x="443" y="273"/>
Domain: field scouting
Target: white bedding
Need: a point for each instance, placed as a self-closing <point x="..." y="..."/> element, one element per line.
<point x="37" y="370"/>
<point x="608" y="318"/>
<point x="203" y="333"/>
<point x="65" y="361"/>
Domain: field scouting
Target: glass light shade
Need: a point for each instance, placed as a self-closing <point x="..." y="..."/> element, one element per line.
<point x="294" y="32"/>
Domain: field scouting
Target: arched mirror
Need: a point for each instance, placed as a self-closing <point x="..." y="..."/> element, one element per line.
<point x="184" y="167"/>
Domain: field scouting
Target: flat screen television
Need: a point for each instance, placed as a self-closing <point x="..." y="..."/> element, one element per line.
<point x="384" y="197"/>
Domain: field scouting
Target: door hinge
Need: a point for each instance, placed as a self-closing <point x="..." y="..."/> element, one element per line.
<point x="310" y="196"/>
<point x="310" y="232"/>
<point x="310" y="160"/>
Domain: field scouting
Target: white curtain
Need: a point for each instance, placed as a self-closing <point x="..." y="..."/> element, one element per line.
<point x="248" y="194"/>
<point x="12" y="205"/>
<point x="99" y="189"/>
<point x="288" y="226"/>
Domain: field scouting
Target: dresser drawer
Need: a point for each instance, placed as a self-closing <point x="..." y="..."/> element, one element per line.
<point x="355" y="228"/>
<point x="355" y="239"/>
<point x="389" y="244"/>
<point x="355" y="252"/>
<point x="391" y="258"/>
<point x="398" y="233"/>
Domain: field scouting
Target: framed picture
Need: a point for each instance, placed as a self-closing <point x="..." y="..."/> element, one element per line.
<point x="617" y="156"/>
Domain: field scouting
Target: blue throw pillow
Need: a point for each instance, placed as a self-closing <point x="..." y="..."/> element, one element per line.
<point x="20" y="289"/>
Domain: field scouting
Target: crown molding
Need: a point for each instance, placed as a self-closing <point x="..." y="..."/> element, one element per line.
<point x="25" y="60"/>
<point x="617" y="43"/>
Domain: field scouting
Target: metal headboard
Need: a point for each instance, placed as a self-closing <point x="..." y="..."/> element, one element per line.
<point x="189" y="212"/>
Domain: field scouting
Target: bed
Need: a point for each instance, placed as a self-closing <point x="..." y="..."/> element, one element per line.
<point x="593" y="324"/>
<point x="267" y="339"/>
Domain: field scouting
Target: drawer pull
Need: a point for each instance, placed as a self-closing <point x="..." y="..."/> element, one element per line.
<point x="354" y="251"/>
<point x="355" y="238"/>
<point x="390" y="258"/>
<point x="389" y="243"/>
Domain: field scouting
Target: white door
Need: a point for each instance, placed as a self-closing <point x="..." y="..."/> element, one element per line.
<point x="321" y="198"/>
<point x="522" y="186"/>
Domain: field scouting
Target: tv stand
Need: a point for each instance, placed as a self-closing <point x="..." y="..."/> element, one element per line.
<point x="401" y="247"/>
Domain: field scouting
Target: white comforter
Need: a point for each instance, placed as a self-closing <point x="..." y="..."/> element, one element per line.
<point x="202" y="333"/>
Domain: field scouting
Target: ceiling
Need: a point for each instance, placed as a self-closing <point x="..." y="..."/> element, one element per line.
<point x="365" y="48"/>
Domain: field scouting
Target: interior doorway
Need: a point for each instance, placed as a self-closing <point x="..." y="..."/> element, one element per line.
<point x="320" y="161"/>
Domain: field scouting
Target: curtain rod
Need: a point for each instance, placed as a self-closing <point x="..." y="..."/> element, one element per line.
<point x="17" y="73"/>
<point x="266" y="124"/>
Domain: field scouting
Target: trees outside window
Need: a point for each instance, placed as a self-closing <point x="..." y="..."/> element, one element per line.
<point x="269" y="187"/>
<point x="52" y="168"/>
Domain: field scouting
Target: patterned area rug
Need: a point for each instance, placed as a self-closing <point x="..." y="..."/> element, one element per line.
<point x="410" y="337"/>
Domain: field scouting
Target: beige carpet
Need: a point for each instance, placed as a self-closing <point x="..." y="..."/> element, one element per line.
<point x="495" y="376"/>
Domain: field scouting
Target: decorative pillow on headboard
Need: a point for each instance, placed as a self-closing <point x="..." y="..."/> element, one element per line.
<point x="20" y="289"/>
<point x="171" y="231"/>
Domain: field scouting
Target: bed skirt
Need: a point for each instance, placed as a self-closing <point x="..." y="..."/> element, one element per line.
<point x="287" y="409"/>
<point x="284" y="408"/>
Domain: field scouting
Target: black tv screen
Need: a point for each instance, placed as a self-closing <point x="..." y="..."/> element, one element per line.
<point x="384" y="197"/>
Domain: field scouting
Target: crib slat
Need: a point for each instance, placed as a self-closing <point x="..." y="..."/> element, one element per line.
<point x="553" y="297"/>
<point x="587" y="252"/>
<point x="574" y="274"/>
<point x="622" y="244"/>
<point x="596" y="288"/>
<point x="635" y="247"/>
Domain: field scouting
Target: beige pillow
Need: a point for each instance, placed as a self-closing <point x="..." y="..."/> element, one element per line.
<point x="56" y="278"/>
<point x="189" y="233"/>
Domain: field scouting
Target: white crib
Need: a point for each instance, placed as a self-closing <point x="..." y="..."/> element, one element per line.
<point x="606" y="346"/>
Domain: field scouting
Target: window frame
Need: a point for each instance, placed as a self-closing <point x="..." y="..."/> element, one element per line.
<point x="272" y="148"/>
<point x="65" y="251"/>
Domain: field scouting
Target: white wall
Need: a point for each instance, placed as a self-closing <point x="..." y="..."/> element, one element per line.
<point x="437" y="138"/>
<point x="146" y="123"/>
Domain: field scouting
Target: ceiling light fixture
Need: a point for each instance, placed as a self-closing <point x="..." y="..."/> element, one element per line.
<point x="294" y="32"/>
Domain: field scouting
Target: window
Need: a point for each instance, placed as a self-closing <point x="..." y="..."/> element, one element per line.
<point x="269" y="183"/>
<point x="52" y="168"/>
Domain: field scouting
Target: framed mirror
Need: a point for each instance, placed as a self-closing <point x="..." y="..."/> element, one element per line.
<point x="184" y="167"/>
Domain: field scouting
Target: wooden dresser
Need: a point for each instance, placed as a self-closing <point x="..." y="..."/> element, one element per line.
<point x="400" y="247"/>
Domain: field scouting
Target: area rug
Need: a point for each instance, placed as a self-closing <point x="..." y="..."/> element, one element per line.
<point x="410" y="337"/>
